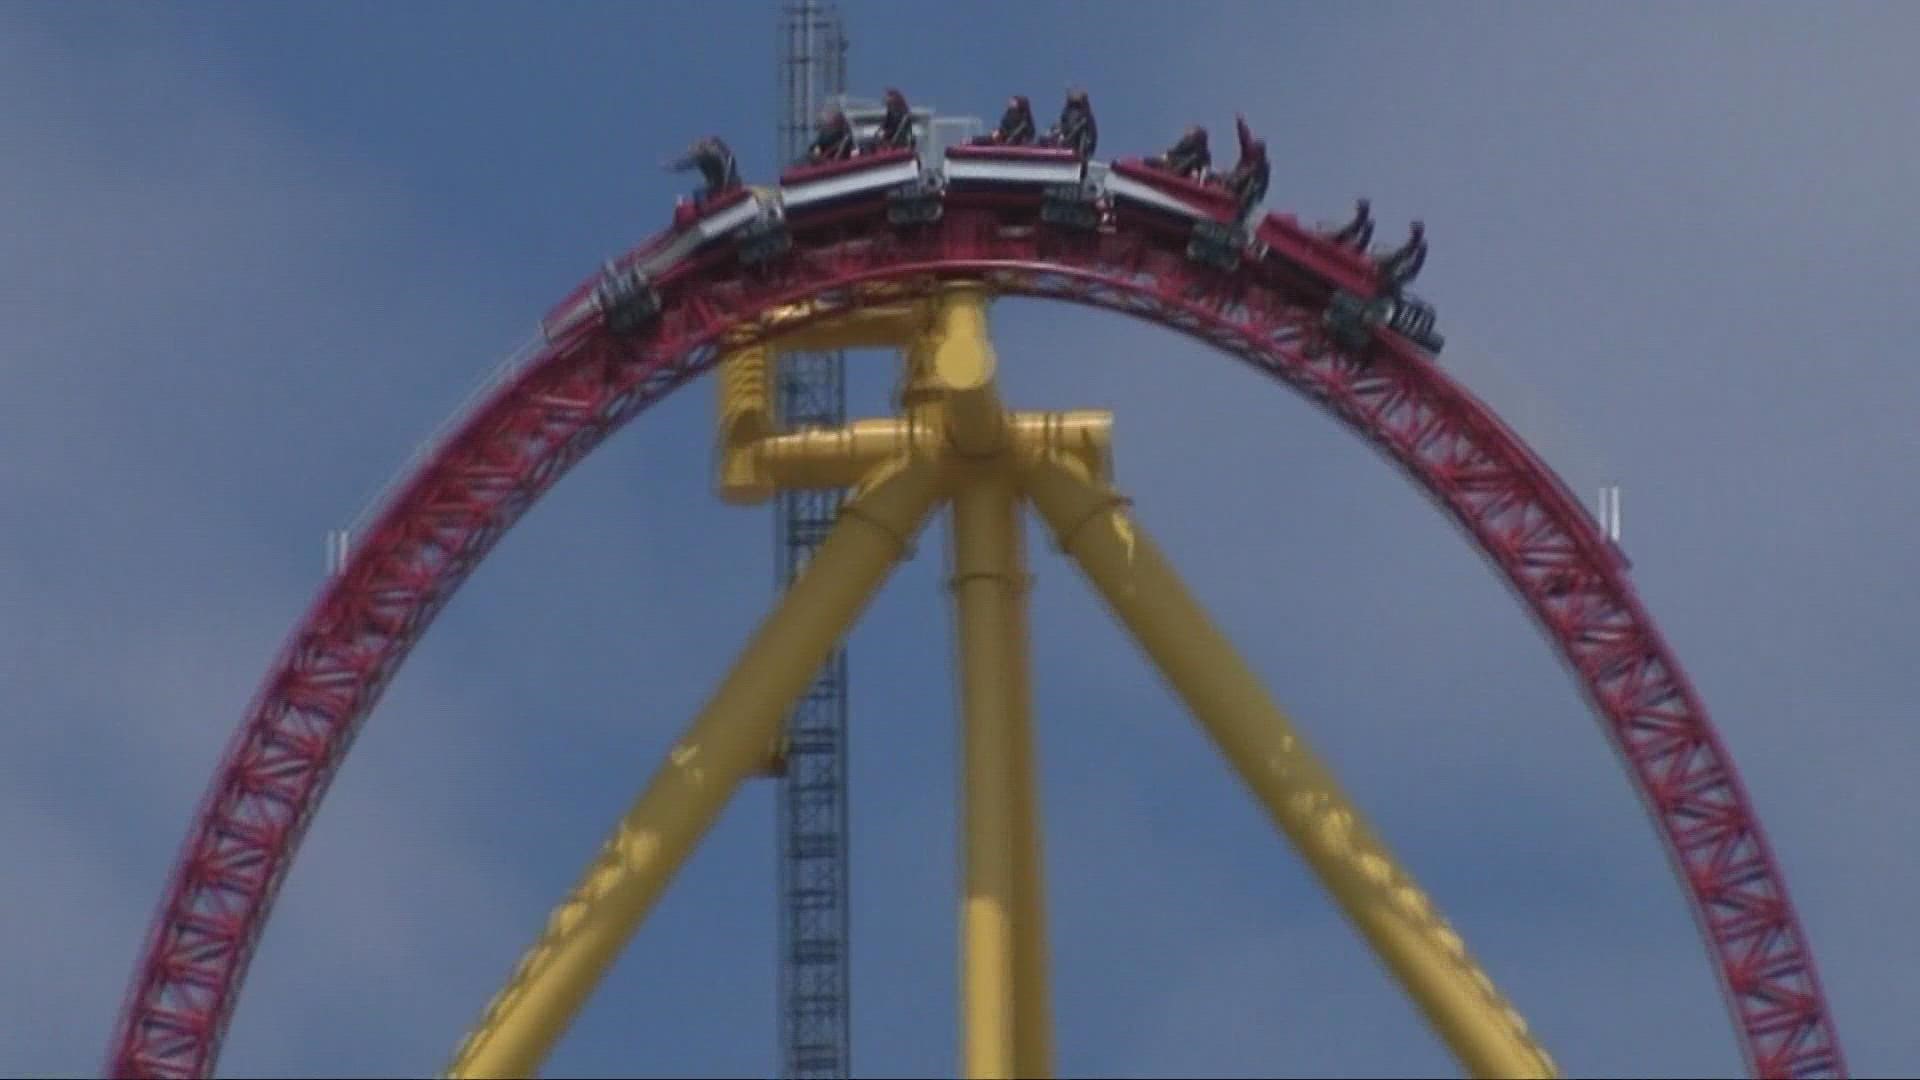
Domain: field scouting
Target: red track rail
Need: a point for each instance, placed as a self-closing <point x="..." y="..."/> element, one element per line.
<point x="448" y="514"/>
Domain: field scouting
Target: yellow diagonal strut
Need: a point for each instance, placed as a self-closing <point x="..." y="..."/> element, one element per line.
<point x="729" y="741"/>
<point x="1380" y="897"/>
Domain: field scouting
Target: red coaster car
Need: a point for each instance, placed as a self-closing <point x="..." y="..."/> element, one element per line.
<point x="1339" y="267"/>
<point x="628" y="282"/>
<point x="832" y="192"/>
<point x="1159" y="198"/>
<point x="689" y="210"/>
<point x="1023" y="181"/>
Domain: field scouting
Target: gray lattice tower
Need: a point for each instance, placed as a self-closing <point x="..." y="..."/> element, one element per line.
<point x="815" y="1022"/>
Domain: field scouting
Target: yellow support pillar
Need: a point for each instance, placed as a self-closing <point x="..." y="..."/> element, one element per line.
<point x="1032" y="996"/>
<point x="746" y="420"/>
<point x="963" y="366"/>
<point x="1406" y="932"/>
<point x="983" y="584"/>
<point x="731" y="739"/>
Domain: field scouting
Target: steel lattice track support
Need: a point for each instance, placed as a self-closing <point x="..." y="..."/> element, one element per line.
<point x="815" y="932"/>
<point x="435" y="528"/>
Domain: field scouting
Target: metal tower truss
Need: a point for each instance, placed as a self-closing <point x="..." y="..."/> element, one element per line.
<point x="815" y="1021"/>
<point x="814" y="925"/>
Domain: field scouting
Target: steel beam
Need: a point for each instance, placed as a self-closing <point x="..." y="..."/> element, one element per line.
<point x="730" y="740"/>
<point x="1410" y="937"/>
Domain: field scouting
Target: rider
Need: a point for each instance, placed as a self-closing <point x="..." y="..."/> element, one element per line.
<point x="1248" y="179"/>
<point x="1358" y="233"/>
<point x="715" y="162"/>
<point x="834" y="139"/>
<point x="1399" y="268"/>
<point x="896" y="126"/>
<point x="1189" y="157"/>
<point x="1075" y="129"/>
<point x="1016" y="124"/>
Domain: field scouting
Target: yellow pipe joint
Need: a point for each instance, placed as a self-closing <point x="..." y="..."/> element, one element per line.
<point x="838" y="457"/>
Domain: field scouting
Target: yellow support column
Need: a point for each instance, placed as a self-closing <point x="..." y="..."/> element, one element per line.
<point x="1380" y="897"/>
<point x="963" y="365"/>
<point x="983" y="519"/>
<point x="729" y="741"/>
<point x="1032" y="996"/>
<point x="745" y="402"/>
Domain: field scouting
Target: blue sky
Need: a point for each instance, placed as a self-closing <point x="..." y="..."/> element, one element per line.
<point x="250" y="255"/>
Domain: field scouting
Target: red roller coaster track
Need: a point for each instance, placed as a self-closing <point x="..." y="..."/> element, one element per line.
<point x="442" y="520"/>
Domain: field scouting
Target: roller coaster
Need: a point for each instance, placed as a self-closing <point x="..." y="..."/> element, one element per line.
<point x="905" y="250"/>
